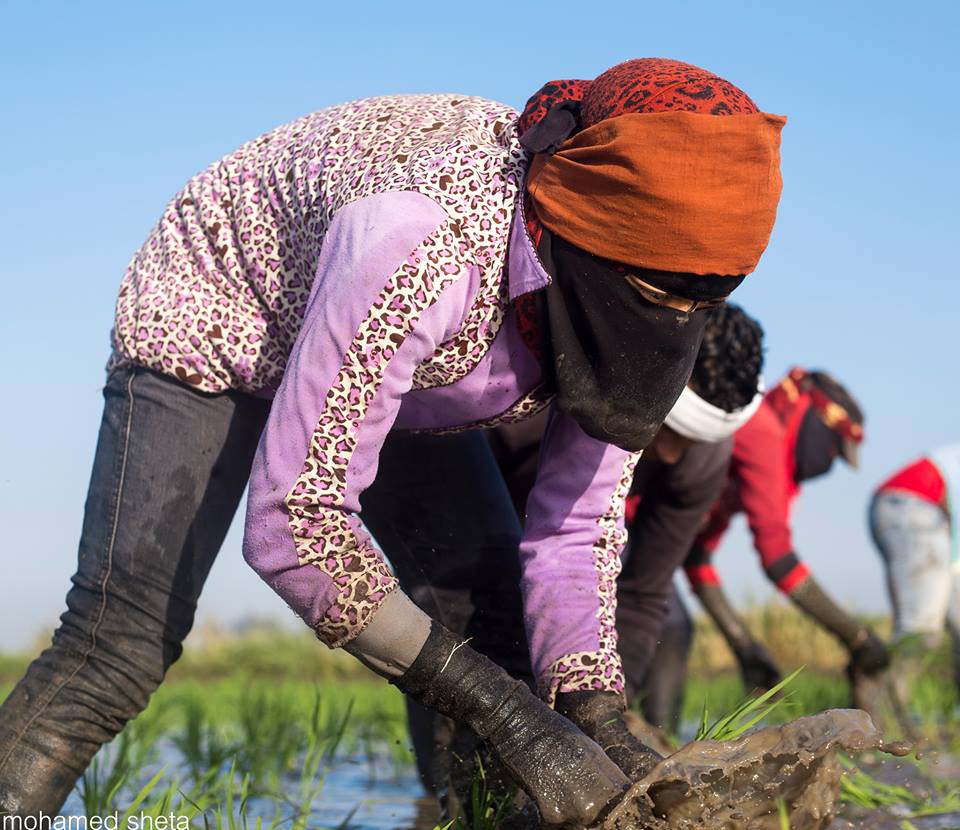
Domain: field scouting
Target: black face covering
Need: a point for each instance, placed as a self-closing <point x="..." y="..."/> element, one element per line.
<point x="617" y="362"/>
<point x="817" y="447"/>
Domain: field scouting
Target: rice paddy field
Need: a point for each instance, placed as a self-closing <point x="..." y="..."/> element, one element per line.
<point x="270" y="730"/>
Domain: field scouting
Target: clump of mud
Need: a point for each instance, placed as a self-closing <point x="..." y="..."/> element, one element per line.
<point x="739" y="784"/>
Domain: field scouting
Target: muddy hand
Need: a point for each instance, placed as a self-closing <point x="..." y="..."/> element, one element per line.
<point x="869" y="656"/>
<point x="564" y="771"/>
<point x="600" y="716"/>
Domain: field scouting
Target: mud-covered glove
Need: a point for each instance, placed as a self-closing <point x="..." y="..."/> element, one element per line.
<point x="567" y="775"/>
<point x="600" y="715"/>
<point x="868" y="653"/>
<point x="757" y="667"/>
<point x="870" y="656"/>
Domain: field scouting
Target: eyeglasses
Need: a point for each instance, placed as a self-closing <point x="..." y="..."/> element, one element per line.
<point x="658" y="296"/>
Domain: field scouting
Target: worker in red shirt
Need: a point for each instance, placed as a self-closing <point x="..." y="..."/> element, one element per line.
<point x="804" y="423"/>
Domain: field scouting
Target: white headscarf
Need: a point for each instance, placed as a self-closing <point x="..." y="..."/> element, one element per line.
<point x="694" y="418"/>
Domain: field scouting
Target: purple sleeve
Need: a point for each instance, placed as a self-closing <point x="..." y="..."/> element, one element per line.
<point x="378" y="308"/>
<point x="570" y="556"/>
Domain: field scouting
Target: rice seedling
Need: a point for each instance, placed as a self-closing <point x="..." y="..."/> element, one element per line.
<point x="749" y="713"/>
<point x="202" y="744"/>
<point x="487" y="808"/>
<point x="783" y="814"/>
<point x="859" y="788"/>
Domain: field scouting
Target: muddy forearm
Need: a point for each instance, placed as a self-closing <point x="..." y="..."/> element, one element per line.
<point x="868" y="654"/>
<point x="600" y="715"/>
<point x="730" y="623"/>
<point x="757" y="667"/>
<point x="565" y="772"/>
<point x="810" y="598"/>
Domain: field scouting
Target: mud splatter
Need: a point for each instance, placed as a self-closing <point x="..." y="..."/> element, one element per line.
<point x="737" y="784"/>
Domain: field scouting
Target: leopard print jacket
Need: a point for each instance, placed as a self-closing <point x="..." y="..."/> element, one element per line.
<point x="218" y="294"/>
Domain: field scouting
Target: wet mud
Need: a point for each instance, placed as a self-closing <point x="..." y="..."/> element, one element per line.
<point x="740" y="784"/>
<point x="885" y="700"/>
<point x="651" y="735"/>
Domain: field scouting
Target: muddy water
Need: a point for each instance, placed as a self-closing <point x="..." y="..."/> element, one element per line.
<point x="728" y="785"/>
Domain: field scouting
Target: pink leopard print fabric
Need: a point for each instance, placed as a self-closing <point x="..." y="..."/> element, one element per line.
<point x="600" y="669"/>
<point x="321" y="529"/>
<point x="216" y="295"/>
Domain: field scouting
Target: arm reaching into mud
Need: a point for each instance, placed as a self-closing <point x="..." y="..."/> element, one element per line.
<point x="757" y="667"/>
<point x="868" y="654"/>
<point x="570" y="559"/>
<point x="379" y="307"/>
<point x="568" y="776"/>
<point x="600" y="715"/>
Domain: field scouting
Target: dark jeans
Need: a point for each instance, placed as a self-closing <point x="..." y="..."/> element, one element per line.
<point x="170" y="467"/>
<point x="660" y="687"/>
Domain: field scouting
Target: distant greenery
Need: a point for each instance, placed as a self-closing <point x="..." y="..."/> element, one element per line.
<point x="867" y="792"/>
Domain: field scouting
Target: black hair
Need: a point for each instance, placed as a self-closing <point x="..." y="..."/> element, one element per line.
<point x="730" y="359"/>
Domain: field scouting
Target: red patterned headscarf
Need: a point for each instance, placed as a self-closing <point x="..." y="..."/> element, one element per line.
<point x="833" y="403"/>
<point x="635" y="86"/>
<point x="641" y="85"/>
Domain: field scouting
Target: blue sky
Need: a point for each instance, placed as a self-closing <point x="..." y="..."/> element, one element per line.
<point x="109" y="108"/>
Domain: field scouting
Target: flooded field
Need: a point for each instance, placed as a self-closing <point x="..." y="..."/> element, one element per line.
<point x="377" y="789"/>
<point x="273" y="732"/>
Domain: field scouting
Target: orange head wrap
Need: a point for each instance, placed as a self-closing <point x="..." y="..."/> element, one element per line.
<point x="650" y="180"/>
